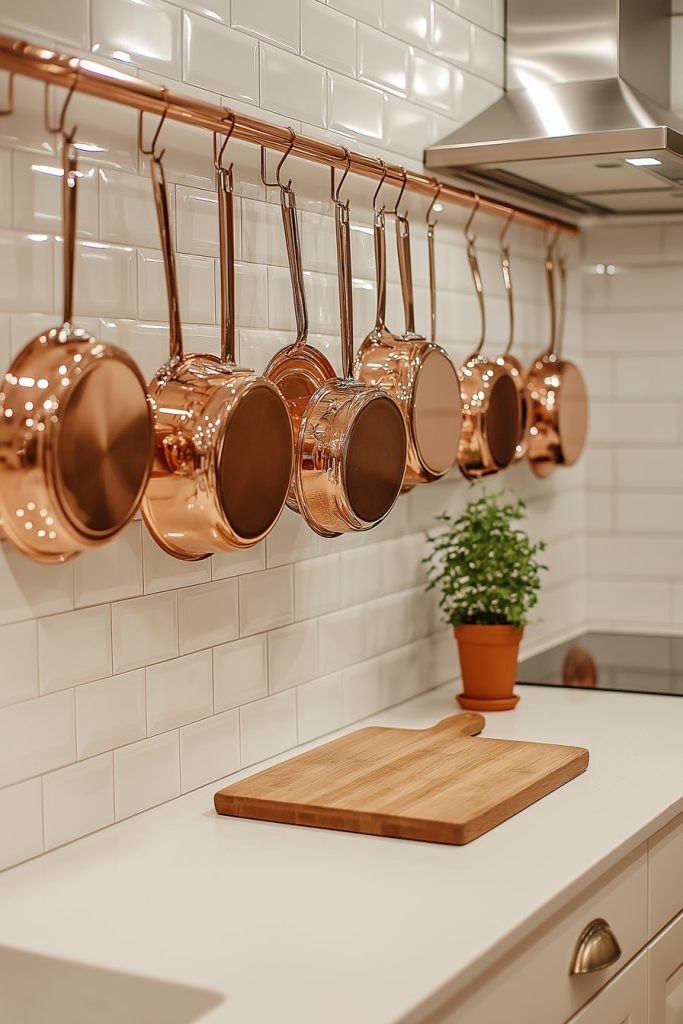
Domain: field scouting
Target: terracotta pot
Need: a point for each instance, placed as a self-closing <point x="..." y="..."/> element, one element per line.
<point x="488" y="660"/>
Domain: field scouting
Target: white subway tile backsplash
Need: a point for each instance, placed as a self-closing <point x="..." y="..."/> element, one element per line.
<point x="21" y="813"/>
<point x="278" y="23"/>
<point x="251" y="298"/>
<point x="37" y="205"/>
<point x="27" y="261"/>
<point x="342" y="639"/>
<point x="327" y="37"/>
<point x="179" y="691"/>
<point x="145" y="33"/>
<point x="355" y="109"/>
<point x="146" y="773"/>
<point x="383" y="61"/>
<point x="360" y="575"/>
<point x="110" y="572"/>
<point x="268" y="726"/>
<point x="408" y="19"/>
<point x="292" y="86"/>
<point x="431" y="82"/>
<point x="197" y="221"/>
<point x="361" y="691"/>
<point x="110" y="713"/>
<point x="266" y="600"/>
<point x="78" y="799"/>
<point x="472" y="95"/>
<point x="19" y="659"/>
<point x="488" y="56"/>
<point x="87" y="632"/>
<point x="106" y="283"/>
<point x="627" y="602"/>
<point x="240" y="672"/>
<point x="196" y="284"/>
<point x="30" y="589"/>
<point x="220" y="59"/>
<point x="320" y="706"/>
<point x="236" y="563"/>
<point x="207" y="615"/>
<point x="451" y="36"/>
<point x="209" y="750"/>
<point x="290" y="541"/>
<point x="36" y="736"/>
<point x="263" y="239"/>
<point x="614" y="422"/>
<point x="66" y="21"/>
<point x="368" y="11"/>
<point x="164" y="572"/>
<point x="292" y="655"/>
<point x="317" y="586"/>
<point x="127" y="211"/>
<point x="144" y="630"/>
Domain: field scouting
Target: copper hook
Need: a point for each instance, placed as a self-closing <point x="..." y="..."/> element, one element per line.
<point x="469" y="237"/>
<point x="381" y="182"/>
<point x="335" y="194"/>
<point x="278" y="180"/>
<point x="10" y="96"/>
<point x="400" y="195"/>
<point x="437" y="192"/>
<point x="218" y="154"/>
<point x="552" y="244"/>
<point x="152" y="149"/>
<point x="506" y="227"/>
<point x="67" y="137"/>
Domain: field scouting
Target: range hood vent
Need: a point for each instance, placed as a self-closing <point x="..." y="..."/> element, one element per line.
<point x="585" y="122"/>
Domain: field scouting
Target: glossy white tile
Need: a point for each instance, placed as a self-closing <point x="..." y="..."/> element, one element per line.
<point x="66" y="21"/>
<point x="368" y="11"/>
<point x="209" y="750"/>
<point x="196" y="284"/>
<point x="30" y="589"/>
<point x="110" y="713"/>
<point x="266" y="600"/>
<point x="292" y="655"/>
<point x="21" y="812"/>
<point x="452" y="36"/>
<point x="361" y="691"/>
<point x="111" y="572"/>
<point x="251" y="295"/>
<point x="431" y="82"/>
<point x="342" y="639"/>
<point x="268" y="726"/>
<point x="220" y="59"/>
<point x="146" y="773"/>
<point x="488" y="56"/>
<point x="179" y="692"/>
<point x="408" y="19"/>
<point x="320" y="706"/>
<point x="236" y="563"/>
<point x="88" y="632"/>
<point x="37" y="201"/>
<point x="328" y="37"/>
<point x="360" y="579"/>
<point x="164" y="572"/>
<point x="197" y="222"/>
<point x="240" y="672"/>
<point x="317" y="586"/>
<point x="207" y="615"/>
<point x="19" y="658"/>
<point x="148" y="343"/>
<point x="292" y="86"/>
<point x="275" y="23"/>
<point x="144" y="630"/>
<point x="26" y="283"/>
<point x="144" y="33"/>
<point x="290" y="541"/>
<point x="263" y="239"/>
<point x="78" y="800"/>
<point x="355" y="109"/>
<point x="36" y="736"/>
<point x="105" y="279"/>
<point x="383" y="60"/>
<point x="127" y="211"/>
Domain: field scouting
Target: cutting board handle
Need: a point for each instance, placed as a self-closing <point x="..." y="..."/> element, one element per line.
<point x="469" y="723"/>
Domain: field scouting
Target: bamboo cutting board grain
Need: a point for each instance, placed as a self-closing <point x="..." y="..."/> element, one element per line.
<point x="441" y="785"/>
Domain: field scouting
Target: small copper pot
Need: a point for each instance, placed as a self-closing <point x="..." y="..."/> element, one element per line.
<point x="490" y="399"/>
<point x="416" y="372"/>
<point x="350" y="438"/>
<point x="75" y="428"/>
<point x="557" y="392"/>
<point x="224" y="447"/>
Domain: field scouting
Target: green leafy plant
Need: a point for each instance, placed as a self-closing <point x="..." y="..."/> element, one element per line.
<point x="485" y="567"/>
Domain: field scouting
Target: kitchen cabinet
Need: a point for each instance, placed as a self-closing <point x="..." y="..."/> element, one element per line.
<point x="665" y="975"/>
<point x="622" y="1001"/>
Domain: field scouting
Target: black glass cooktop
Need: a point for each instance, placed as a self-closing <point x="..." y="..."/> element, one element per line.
<point x="610" y="661"/>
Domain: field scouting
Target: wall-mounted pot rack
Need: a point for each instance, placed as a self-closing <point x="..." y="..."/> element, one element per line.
<point x="98" y="80"/>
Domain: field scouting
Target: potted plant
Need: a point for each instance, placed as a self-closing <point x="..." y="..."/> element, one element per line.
<point x="489" y="577"/>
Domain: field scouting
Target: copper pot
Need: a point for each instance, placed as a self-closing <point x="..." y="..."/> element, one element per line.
<point x="75" y="426"/>
<point x="510" y="361"/>
<point x="416" y="372"/>
<point x="490" y="401"/>
<point x="557" y="391"/>
<point x="350" y="438"/>
<point x="223" y="439"/>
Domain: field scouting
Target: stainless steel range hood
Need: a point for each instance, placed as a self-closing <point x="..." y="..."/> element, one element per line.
<point x="585" y="122"/>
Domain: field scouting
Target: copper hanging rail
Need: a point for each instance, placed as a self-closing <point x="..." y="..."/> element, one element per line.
<point x="87" y="76"/>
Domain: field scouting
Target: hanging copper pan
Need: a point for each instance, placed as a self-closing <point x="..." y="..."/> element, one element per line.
<point x="511" y="362"/>
<point x="559" y="401"/>
<point x="75" y="425"/>
<point x="490" y="403"/>
<point x="224" y="446"/>
<point x="351" y="439"/>
<point x="416" y="372"/>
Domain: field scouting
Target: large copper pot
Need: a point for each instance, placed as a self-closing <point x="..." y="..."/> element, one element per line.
<point x="416" y="372"/>
<point x="557" y="391"/>
<point x="75" y="426"/>
<point x="223" y="439"/>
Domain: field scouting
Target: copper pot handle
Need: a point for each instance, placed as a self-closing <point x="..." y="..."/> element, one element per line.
<point x="226" y="251"/>
<point x="405" y="269"/>
<point x="431" y="251"/>
<point x="343" y="238"/>
<point x="70" y="208"/>
<point x="562" y="273"/>
<point x="163" y="215"/>
<point x="552" y="300"/>
<point x="507" y="279"/>
<point x="473" y="260"/>
<point x="380" y="268"/>
<point x="296" y="273"/>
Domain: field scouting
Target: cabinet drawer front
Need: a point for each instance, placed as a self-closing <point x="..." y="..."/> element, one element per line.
<point x="665" y="971"/>
<point x="532" y="984"/>
<point x="666" y="874"/>
<point x="623" y="1001"/>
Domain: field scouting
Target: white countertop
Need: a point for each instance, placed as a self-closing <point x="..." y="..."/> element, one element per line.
<point x="284" y="924"/>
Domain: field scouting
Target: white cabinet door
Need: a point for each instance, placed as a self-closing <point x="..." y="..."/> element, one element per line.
<point x="665" y="966"/>
<point x="622" y="1001"/>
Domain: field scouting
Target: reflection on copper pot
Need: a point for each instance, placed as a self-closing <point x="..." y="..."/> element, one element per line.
<point x="511" y="362"/>
<point x="579" y="668"/>
<point x="75" y="425"/>
<point x="224" y="446"/>
<point x="557" y="391"/>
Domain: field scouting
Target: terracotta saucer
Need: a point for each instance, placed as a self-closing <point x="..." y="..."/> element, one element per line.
<point x="481" y="704"/>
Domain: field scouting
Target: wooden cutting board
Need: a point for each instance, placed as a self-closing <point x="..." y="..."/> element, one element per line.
<point x="441" y="785"/>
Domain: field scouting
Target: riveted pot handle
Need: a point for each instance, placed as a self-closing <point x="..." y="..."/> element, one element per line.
<point x="405" y="269"/>
<point x="70" y="205"/>
<point x="296" y="272"/>
<point x="226" y="238"/>
<point x="343" y="237"/>
<point x="168" y="252"/>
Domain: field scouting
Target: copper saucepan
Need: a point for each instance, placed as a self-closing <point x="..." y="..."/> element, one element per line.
<point x="559" y="401"/>
<point x="224" y="447"/>
<point x="75" y="425"/>
<point x="491" y="409"/>
<point x="416" y="372"/>
<point x="351" y="439"/>
<point x="517" y="371"/>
